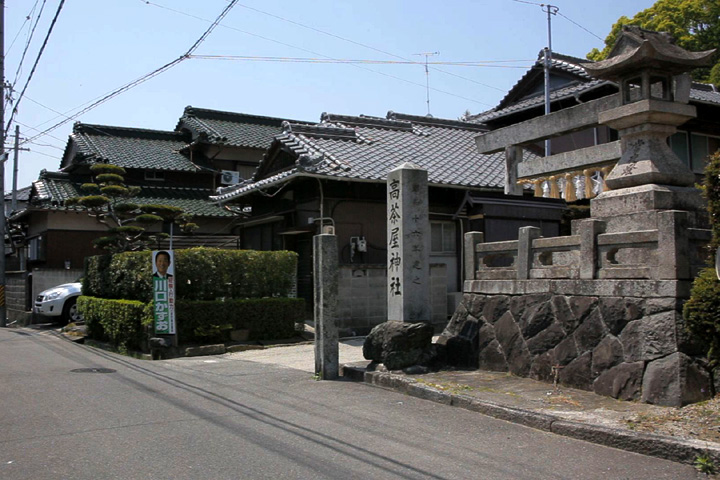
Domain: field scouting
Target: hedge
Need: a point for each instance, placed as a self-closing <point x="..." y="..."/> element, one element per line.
<point x="123" y="322"/>
<point x="120" y="322"/>
<point x="265" y="318"/>
<point x="200" y="273"/>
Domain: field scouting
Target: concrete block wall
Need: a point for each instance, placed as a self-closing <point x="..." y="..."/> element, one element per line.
<point x="16" y="286"/>
<point x="362" y="296"/>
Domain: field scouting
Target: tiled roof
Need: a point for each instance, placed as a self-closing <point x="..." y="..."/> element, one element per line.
<point x="699" y="92"/>
<point x="705" y="93"/>
<point x="539" y="100"/>
<point x="129" y="147"/>
<point x="366" y="148"/>
<point x="228" y="128"/>
<point x="22" y="195"/>
<point x="558" y="63"/>
<point x="52" y="189"/>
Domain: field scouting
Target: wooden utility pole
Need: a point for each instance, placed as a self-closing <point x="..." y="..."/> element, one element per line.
<point x="3" y="157"/>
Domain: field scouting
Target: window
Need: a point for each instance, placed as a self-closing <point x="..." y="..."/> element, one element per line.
<point x="442" y="237"/>
<point x="154" y="175"/>
<point x="36" y="248"/>
<point x="694" y="152"/>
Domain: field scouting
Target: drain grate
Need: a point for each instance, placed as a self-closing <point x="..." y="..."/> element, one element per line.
<point x="93" y="370"/>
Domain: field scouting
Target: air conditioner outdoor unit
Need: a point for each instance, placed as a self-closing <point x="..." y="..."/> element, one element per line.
<point x="229" y="177"/>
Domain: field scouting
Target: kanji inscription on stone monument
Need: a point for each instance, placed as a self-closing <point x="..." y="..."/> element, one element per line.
<point x="408" y="233"/>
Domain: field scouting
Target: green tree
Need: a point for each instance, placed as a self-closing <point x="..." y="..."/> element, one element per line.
<point x="109" y="200"/>
<point x="695" y="25"/>
<point x="702" y="310"/>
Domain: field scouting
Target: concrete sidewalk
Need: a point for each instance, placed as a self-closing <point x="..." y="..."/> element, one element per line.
<point x="564" y="411"/>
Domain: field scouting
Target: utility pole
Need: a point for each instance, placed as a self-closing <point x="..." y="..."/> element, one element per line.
<point x="427" y="76"/>
<point x="550" y="10"/>
<point x="3" y="157"/>
<point x="13" y="204"/>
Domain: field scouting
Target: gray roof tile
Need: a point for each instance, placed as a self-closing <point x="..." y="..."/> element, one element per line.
<point x="52" y="189"/>
<point x="228" y="128"/>
<point x="130" y="147"/>
<point x="445" y="148"/>
<point x="700" y="92"/>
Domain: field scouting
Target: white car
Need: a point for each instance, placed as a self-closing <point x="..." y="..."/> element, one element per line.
<point x="60" y="301"/>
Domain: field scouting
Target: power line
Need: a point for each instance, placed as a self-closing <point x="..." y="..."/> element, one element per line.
<point x="142" y="79"/>
<point x="147" y="2"/>
<point x="564" y="16"/>
<point x="29" y="40"/>
<point x="27" y="19"/>
<point x="37" y="60"/>
<point x="580" y="26"/>
<point x="362" y="45"/>
<point x="488" y="63"/>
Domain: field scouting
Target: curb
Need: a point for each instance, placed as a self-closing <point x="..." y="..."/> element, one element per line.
<point x="668" y="448"/>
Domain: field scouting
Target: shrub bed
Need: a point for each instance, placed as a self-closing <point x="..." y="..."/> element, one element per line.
<point x="265" y="318"/>
<point x="122" y="323"/>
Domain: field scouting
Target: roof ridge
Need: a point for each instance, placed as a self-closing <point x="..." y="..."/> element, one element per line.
<point x="198" y="112"/>
<point x="367" y="121"/>
<point x="436" y="122"/>
<point x="322" y="130"/>
<point x="118" y="131"/>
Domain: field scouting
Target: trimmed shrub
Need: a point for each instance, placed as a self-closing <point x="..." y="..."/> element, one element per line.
<point x="266" y="318"/>
<point x="123" y="323"/>
<point x="120" y="322"/>
<point x="200" y="273"/>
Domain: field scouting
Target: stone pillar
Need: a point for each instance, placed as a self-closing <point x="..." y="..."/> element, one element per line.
<point x="588" y="230"/>
<point x="673" y="262"/>
<point x="513" y="156"/>
<point x="408" y="234"/>
<point x="471" y="239"/>
<point x="525" y="257"/>
<point x="326" y="272"/>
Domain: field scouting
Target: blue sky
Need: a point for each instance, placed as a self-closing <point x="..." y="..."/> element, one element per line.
<point x="99" y="45"/>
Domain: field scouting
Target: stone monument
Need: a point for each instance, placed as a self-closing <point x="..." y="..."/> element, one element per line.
<point x="408" y="234"/>
<point x="326" y="271"/>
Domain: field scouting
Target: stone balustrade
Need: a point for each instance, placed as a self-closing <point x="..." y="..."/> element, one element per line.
<point x="670" y="252"/>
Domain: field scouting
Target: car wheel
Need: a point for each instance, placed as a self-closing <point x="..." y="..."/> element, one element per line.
<point x="70" y="312"/>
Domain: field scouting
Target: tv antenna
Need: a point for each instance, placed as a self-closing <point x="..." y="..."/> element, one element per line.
<point x="547" y="63"/>
<point x="427" y="75"/>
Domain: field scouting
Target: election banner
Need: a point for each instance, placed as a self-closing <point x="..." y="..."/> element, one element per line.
<point x="164" y="291"/>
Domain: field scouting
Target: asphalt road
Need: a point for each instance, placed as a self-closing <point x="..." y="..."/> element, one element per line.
<point x="228" y="417"/>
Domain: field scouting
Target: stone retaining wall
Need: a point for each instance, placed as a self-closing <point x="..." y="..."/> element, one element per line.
<point x="630" y="348"/>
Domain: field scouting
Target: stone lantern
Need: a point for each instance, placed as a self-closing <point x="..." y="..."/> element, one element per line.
<point x="654" y="93"/>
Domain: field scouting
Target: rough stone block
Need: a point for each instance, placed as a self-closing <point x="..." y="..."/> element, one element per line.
<point x="607" y="354"/>
<point x="217" y="349"/>
<point x="399" y="344"/>
<point x="616" y="312"/>
<point x="492" y="358"/>
<point x="541" y="368"/>
<point x="510" y="338"/>
<point x="581" y="306"/>
<point x="565" y="352"/>
<point x="578" y="373"/>
<point x="533" y="313"/>
<point x="461" y="348"/>
<point x="674" y="381"/>
<point x="495" y="307"/>
<point x="623" y="381"/>
<point x="590" y="333"/>
<point x="546" y="340"/>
